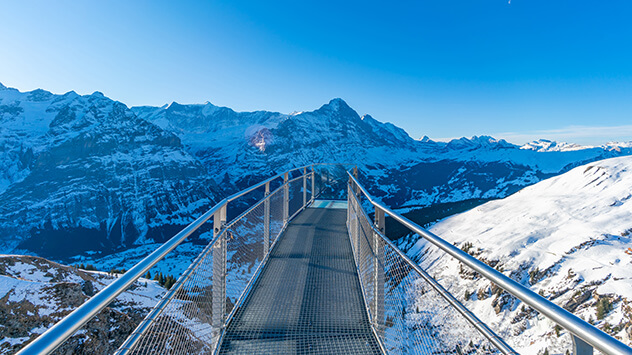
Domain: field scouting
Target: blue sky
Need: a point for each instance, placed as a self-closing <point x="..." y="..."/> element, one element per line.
<point x="519" y="70"/>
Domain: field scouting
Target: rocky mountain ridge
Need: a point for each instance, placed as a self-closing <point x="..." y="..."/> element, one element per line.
<point x="84" y="173"/>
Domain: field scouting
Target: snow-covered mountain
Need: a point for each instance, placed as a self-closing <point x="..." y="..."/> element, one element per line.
<point x="243" y="147"/>
<point x="87" y="175"/>
<point x="83" y="173"/>
<point x="36" y="293"/>
<point x="567" y="237"/>
<point x="545" y="145"/>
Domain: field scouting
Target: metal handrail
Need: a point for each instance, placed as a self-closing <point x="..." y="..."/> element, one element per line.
<point x="65" y="328"/>
<point x="575" y="325"/>
<point x="262" y="183"/>
<point x="469" y="316"/>
<point x="62" y="330"/>
<point x="160" y="307"/>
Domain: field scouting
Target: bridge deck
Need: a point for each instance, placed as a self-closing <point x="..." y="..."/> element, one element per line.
<point x="307" y="299"/>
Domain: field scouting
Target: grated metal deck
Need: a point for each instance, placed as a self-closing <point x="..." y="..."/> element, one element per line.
<point x="307" y="299"/>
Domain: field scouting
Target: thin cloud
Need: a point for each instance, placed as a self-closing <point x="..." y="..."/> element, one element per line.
<point x="585" y="135"/>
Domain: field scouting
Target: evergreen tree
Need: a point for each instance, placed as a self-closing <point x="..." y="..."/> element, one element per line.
<point x="603" y="307"/>
<point x="169" y="282"/>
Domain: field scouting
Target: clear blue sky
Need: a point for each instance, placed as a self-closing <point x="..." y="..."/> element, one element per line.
<point x="521" y="70"/>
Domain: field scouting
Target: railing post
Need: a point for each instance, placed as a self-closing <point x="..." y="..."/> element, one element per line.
<point x="219" y="272"/>
<point x="266" y="221"/>
<point x="286" y="199"/>
<point x="378" y="248"/>
<point x="313" y="183"/>
<point x="355" y="225"/>
<point x="357" y="190"/>
<point x="353" y="216"/>
<point x="580" y="347"/>
<point x="304" y="186"/>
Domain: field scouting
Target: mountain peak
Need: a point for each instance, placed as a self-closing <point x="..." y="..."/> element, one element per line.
<point x="368" y="118"/>
<point x="338" y="104"/>
<point x="2" y="87"/>
<point x="173" y="105"/>
<point x="479" y="142"/>
<point x="70" y="94"/>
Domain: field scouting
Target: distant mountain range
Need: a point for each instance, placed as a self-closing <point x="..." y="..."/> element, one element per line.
<point x="88" y="175"/>
<point x="567" y="238"/>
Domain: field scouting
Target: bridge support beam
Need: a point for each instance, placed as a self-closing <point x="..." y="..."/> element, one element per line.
<point x="219" y="272"/>
<point x="377" y="310"/>
<point x="266" y="222"/>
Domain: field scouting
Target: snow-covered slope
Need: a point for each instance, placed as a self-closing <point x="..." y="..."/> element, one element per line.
<point x="82" y="173"/>
<point x="36" y="293"/>
<point x="567" y="237"/>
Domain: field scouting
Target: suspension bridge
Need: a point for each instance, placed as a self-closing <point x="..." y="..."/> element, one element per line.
<point x="306" y="267"/>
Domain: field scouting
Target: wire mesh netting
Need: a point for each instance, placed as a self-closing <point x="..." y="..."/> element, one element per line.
<point x="185" y="324"/>
<point x="244" y="252"/>
<point x="296" y="195"/>
<point x="309" y="180"/>
<point x="192" y="314"/>
<point x="407" y="312"/>
<point x="331" y="182"/>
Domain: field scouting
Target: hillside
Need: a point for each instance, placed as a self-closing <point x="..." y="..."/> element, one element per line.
<point x="567" y="237"/>
<point x="36" y="293"/>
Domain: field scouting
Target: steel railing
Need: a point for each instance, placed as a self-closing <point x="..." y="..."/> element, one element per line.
<point x="585" y="336"/>
<point x="410" y="312"/>
<point x="257" y="228"/>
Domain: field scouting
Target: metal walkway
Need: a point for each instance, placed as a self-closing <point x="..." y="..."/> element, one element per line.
<point x="294" y="274"/>
<point x="308" y="297"/>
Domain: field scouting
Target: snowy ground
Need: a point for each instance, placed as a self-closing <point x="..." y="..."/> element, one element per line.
<point x="36" y="293"/>
<point x="567" y="237"/>
<point x="173" y="263"/>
